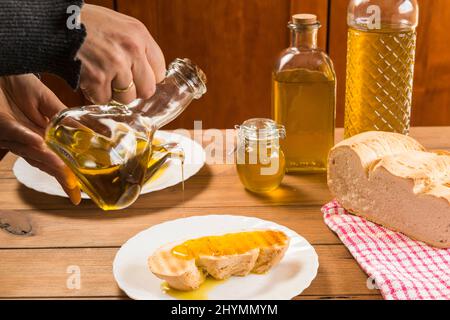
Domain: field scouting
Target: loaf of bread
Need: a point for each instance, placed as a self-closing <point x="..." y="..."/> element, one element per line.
<point x="391" y="180"/>
<point x="256" y="252"/>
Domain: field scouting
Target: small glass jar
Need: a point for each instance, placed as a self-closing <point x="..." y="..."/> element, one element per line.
<point x="260" y="162"/>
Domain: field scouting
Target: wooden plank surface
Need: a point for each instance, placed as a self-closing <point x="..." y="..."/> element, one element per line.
<point x="36" y="266"/>
<point x="308" y="190"/>
<point x="43" y="273"/>
<point x="80" y="228"/>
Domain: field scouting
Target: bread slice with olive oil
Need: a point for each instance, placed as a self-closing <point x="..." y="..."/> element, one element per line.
<point x="185" y="265"/>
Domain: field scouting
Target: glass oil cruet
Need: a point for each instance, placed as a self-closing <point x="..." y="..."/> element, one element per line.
<point x="109" y="147"/>
<point x="260" y="162"/>
<point x="304" y="98"/>
<point x="380" y="65"/>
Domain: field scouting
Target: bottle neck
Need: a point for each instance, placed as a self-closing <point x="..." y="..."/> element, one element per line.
<point x="304" y="38"/>
<point x="168" y="102"/>
<point x="184" y="83"/>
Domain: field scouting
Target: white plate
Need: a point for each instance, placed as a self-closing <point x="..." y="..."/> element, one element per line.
<point x="38" y="180"/>
<point x="285" y="281"/>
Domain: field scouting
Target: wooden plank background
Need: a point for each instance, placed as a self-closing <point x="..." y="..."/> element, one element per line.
<point x="237" y="42"/>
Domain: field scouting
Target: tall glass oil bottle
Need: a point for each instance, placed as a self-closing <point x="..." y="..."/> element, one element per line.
<point x="304" y="98"/>
<point x="380" y="65"/>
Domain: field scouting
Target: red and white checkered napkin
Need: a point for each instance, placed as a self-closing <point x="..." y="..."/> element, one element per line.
<point x="403" y="269"/>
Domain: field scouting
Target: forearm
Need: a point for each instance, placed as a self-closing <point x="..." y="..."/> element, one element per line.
<point x="34" y="38"/>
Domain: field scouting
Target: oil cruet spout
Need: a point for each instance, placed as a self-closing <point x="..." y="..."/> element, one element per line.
<point x="160" y="156"/>
<point x="184" y="82"/>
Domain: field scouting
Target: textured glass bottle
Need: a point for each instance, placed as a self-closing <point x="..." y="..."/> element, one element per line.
<point x="109" y="147"/>
<point x="380" y="65"/>
<point x="304" y="98"/>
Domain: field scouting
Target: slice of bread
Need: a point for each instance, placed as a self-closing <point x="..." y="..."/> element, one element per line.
<point x="188" y="274"/>
<point x="179" y="273"/>
<point x="391" y="180"/>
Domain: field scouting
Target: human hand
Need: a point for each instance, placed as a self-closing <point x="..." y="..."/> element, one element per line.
<point x="118" y="53"/>
<point x="26" y="105"/>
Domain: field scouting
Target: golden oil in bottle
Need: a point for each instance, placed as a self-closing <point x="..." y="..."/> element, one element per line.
<point x="304" y="98"/>
<point x="304" y="101"/>
<point x="112" y="186"/>
<point x="380" y="69"/>
<point x="260" y="162"/>
<point x="110" y="169"/>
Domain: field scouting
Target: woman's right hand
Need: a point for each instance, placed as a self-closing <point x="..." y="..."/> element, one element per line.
<point x="118" y="53"/>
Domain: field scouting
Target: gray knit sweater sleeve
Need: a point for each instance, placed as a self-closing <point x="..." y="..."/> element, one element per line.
<point x="34" y="38"/>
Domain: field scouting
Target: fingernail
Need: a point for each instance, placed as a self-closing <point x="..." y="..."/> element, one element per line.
<point x="75" y="196"/>
<point x="71" y="180"/>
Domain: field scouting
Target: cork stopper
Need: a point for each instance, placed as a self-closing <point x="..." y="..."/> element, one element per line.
<point x="304" y="19"/>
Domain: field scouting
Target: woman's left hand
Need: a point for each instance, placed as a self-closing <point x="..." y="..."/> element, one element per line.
<point x="26" y="105"/>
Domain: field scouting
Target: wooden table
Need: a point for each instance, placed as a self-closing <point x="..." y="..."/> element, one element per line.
<point x="87" y="238"/>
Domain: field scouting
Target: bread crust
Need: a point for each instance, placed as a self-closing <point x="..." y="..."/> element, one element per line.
<point x="391" y="180"/>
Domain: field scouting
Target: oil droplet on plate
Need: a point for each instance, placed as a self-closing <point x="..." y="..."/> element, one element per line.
<point x="199" y="294"/>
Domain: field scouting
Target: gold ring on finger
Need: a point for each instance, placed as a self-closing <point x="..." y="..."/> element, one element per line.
<point x="124" y="90"/>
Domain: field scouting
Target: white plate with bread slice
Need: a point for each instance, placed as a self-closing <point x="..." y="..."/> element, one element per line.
<point x="259" y="260"/>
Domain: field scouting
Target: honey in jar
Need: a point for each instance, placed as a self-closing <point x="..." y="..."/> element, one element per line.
<point x="260" y="162"/>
